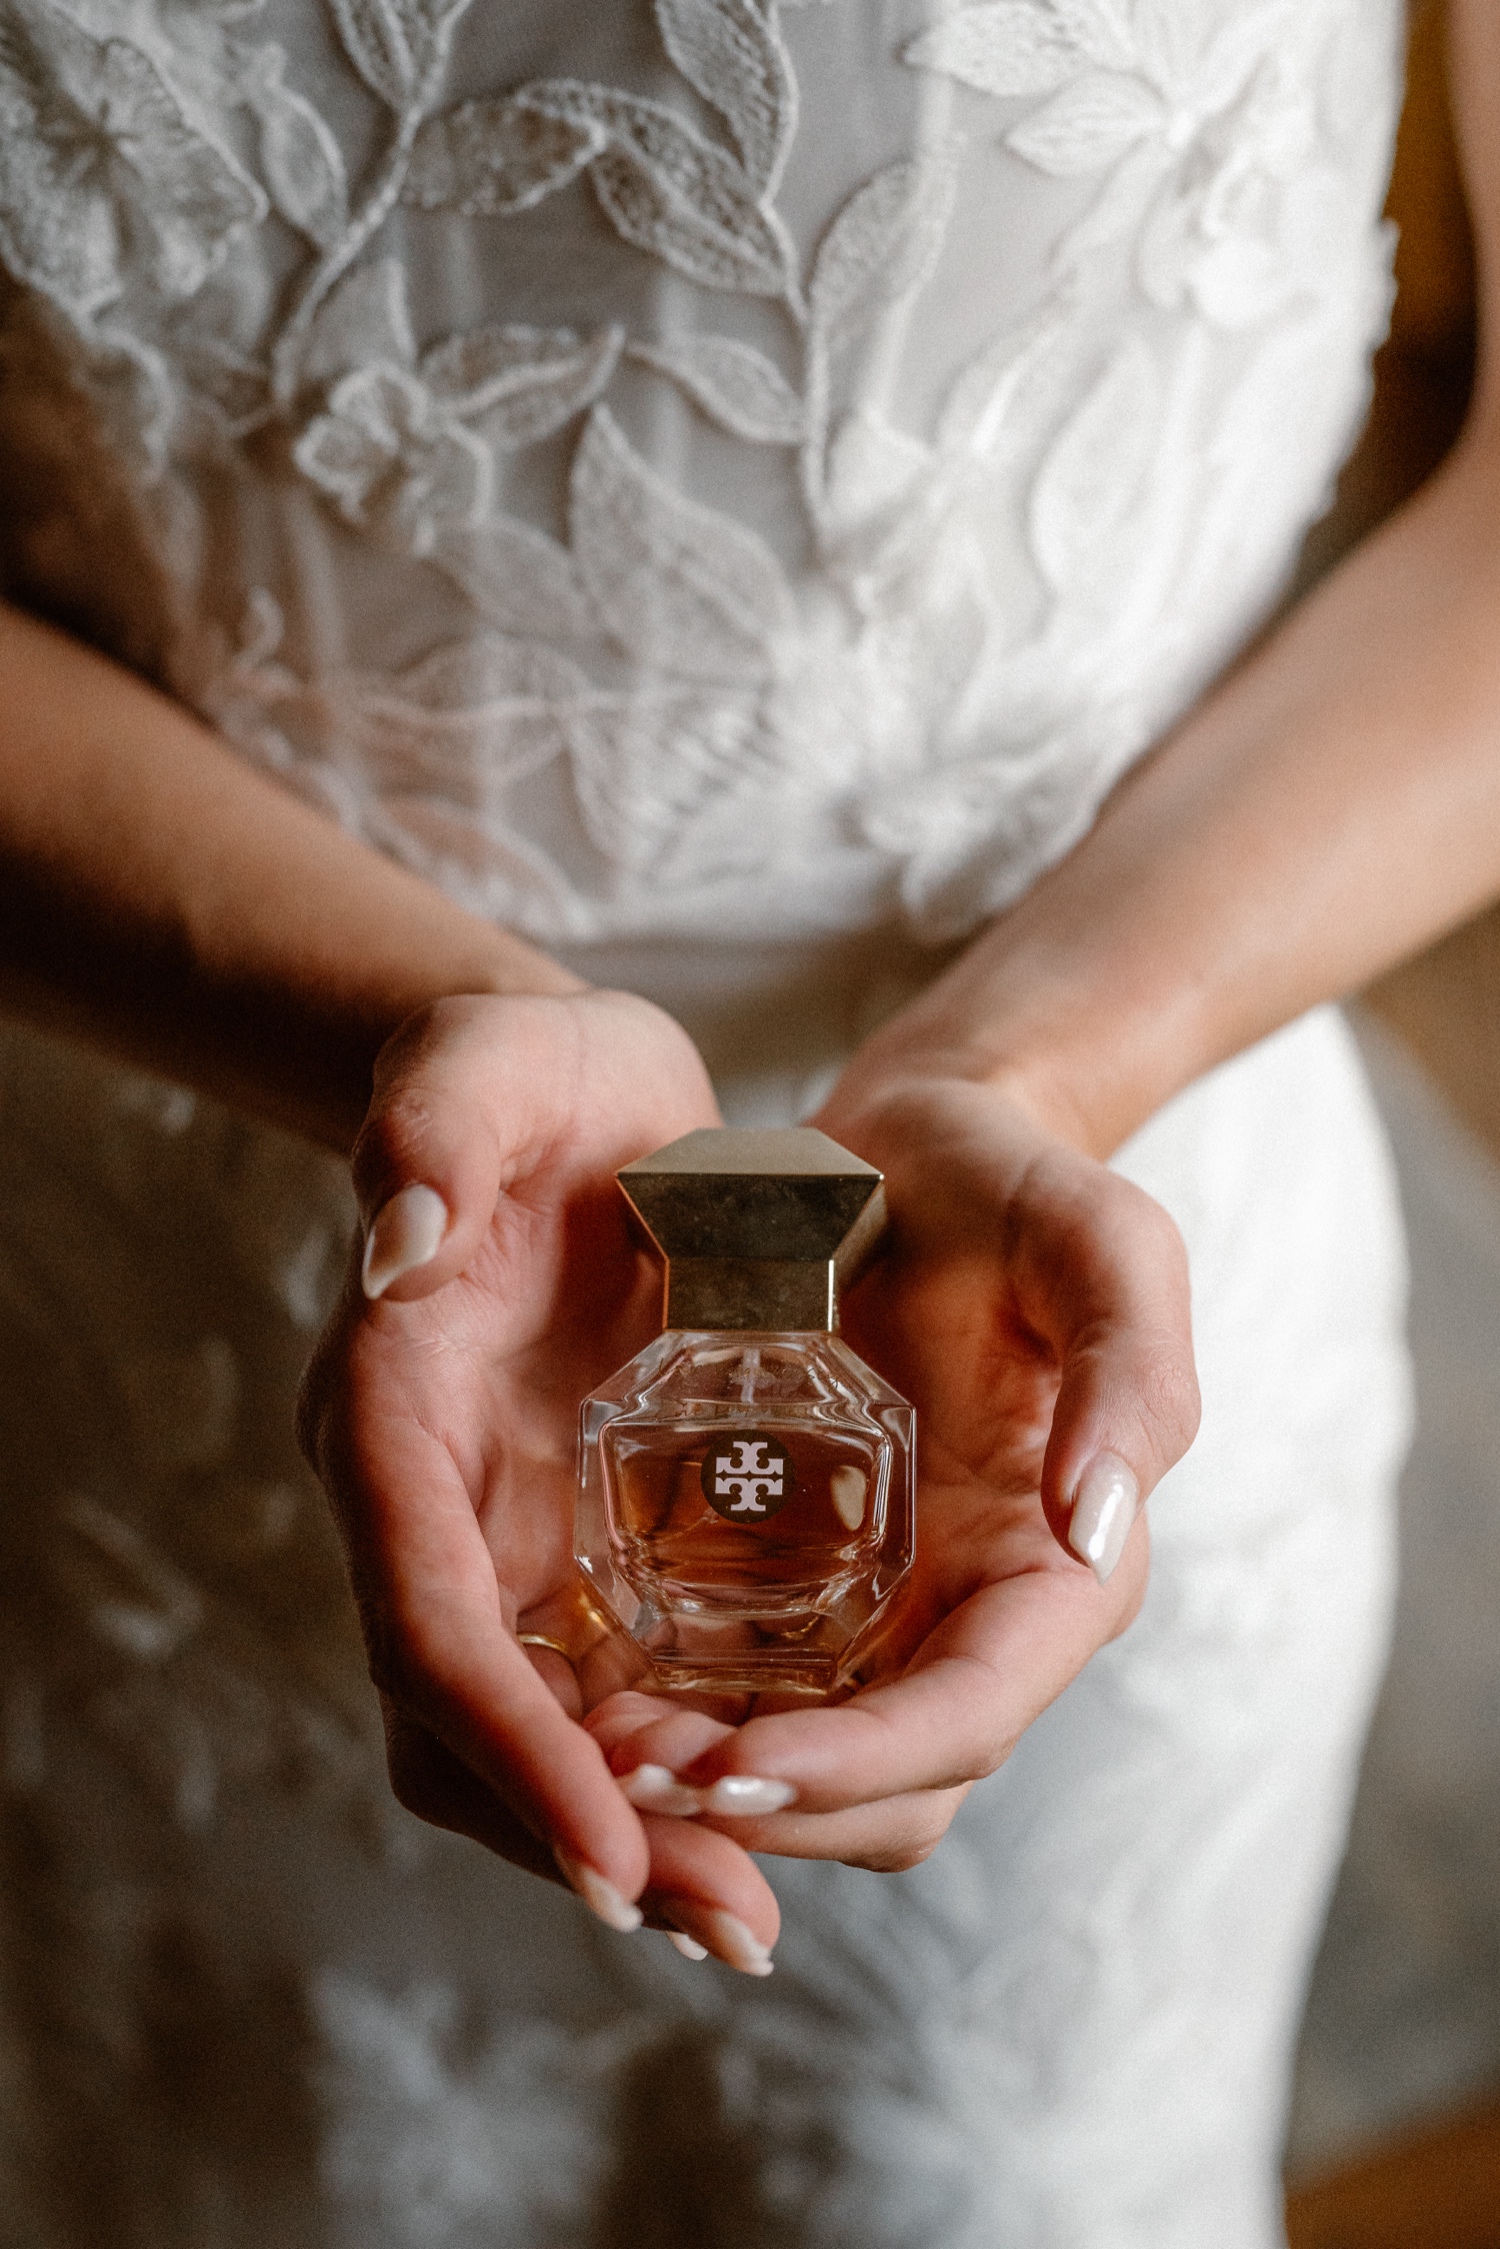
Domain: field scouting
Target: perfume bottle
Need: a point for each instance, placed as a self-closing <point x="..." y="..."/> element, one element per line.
<point x="746" y="1483"/>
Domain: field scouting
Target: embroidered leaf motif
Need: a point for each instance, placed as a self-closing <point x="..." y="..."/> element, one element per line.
<point x="376" y="43"/>
<point x="490" y="159"/>
<point x="1091" y="478"/>
<point x="361" y="321"/>
<point x="480" y="861"/>
<point x="1089" y="124"/>
<point x="303" y="166"/>
<point x="521" y="384"/>
<point x="646" y="764"/>
<point x="470" y="718"/>
<point x="518" y="579"/>
<point x="677" y="584"/>
<point x="467" y="675"/>
<point x="669" y="191"/>
<point x="99" y="163"/>
<point x="1002" y="400"/>
<point x="1120" y="207"/>
<point x="1022" y="46"/>
<point x="1168" y="35"/>
<point x="742" y="390"/>
<point x="729" y="51"/>
<point x="871" y="466"/>
<point x="646" y="203"/>
<point x="398" y="47"/>
<point x="881" y="246"/>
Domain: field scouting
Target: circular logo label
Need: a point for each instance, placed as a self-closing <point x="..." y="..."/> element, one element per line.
<point x="747" y="1479"/>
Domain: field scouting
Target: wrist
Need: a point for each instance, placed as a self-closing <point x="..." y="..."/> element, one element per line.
<point x="463" y="958"/>
<point x="1088" y="1064"/>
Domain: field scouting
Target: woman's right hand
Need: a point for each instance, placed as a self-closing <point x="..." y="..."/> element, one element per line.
<point x="499" y="1284"/>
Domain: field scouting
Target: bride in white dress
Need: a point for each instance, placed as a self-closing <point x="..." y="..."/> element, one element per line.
<point x="703" y="501"/>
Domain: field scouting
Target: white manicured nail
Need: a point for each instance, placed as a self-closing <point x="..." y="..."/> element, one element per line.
<point x="721" y="1934"/>
<point x="743" y="1796"/>
<point x="601" y="1897"/>
<point x="1105" y="1506"/>
<point x="653" y="1788"/>
<point x="687" y="1946"/>
<point x="405" y="1233"/>
<point x="734" y="1943"/>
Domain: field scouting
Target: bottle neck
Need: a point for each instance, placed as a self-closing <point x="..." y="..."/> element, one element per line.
<point x="773" y="1295"/>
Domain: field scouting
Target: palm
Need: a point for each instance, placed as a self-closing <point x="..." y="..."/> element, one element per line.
<point x="443" y="1419"/>
<point x="945" y="1327"/>
<point x="1033" y="1309"/>
<point x="489" y="1372"/>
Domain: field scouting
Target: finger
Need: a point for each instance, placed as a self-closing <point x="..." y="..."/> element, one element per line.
<point x="707" y="1889"/>
<point x="557" y="1676"/>
<point x="1101" y="1272"/>
<point x="646" y="1741"/>
<point x="984" y="1675"/>
<point x="474" y="1096"/>
<point x="888" y="1837"/>
<point x="437" y="1787"/>
<point x="650" y="1745"/>
<point x="440" y="1649"/>
<point x="460" y="1102"/>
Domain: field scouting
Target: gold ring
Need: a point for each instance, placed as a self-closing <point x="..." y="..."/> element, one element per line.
<point x="540" y="1640"/>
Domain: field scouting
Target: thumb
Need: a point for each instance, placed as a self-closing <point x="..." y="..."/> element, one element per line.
<point x="465" y="1099"/>
<point x="1127" y="1404"/>
<point x="476" y="1095"/>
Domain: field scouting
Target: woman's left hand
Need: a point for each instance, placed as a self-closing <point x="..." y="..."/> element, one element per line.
<point x="1033" y="1306"/>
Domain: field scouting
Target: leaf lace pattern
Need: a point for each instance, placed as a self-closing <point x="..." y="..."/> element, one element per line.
<point x="921" y="679"/>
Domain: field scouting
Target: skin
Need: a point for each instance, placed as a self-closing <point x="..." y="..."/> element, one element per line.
<point x="1329" y="807"/>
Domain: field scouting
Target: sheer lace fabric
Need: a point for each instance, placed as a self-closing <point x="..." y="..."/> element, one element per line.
<point x="738" y="469"/>
<point x="726" y="488"/>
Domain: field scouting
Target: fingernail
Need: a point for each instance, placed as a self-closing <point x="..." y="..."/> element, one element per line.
<point x="601" y="1897"/>
<point x="689" y="1949"/>
<point x="739" y="1795"/>
<point x="406" y="1232"/>
<point x="721" y="1934"/>
<point x="652" y="1788"/>
<point x="1105" y="1505"/>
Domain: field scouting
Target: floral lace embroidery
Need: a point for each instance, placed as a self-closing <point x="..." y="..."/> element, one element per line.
<point x="968" y="698"/>
<point x="101" y="168"/>
<point x="1198" y="150"/>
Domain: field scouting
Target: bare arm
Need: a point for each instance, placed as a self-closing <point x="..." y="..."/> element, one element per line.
<point x="161" y="899"/>
<point x="1331" y="807"/>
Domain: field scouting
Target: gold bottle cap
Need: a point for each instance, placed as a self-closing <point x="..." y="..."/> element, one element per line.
<point x="759" y="1229"/>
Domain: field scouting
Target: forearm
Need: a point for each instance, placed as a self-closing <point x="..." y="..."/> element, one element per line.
<point x="163" y="900"/>
<point x="1330" y="807"/>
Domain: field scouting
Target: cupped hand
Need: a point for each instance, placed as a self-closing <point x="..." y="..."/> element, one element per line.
<point x="1034" y="1308"/>
<point x="497" y="1283"/>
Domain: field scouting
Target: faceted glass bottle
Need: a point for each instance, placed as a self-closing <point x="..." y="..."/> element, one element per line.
<point x="746" y="1483"/>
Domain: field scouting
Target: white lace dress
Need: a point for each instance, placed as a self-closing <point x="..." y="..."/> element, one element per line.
<point x="726" y="488"/>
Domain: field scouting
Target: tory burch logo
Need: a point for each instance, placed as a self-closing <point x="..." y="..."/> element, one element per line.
<point x="747" y="1478"/>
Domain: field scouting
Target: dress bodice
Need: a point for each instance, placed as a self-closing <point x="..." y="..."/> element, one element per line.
<point x="672" y="471"/>
<point x="735" y="468"/>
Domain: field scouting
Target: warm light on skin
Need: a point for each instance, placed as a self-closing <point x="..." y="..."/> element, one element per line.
<point x="1333" y="804"/>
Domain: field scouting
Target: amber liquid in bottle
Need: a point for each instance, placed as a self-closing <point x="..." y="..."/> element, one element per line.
<point x="755" y="1498"/>
<point x="675" y="1536"/>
